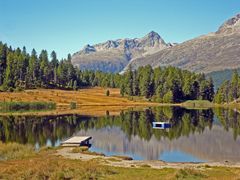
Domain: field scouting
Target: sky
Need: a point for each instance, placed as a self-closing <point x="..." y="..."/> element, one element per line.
<point x="67" y="25"/>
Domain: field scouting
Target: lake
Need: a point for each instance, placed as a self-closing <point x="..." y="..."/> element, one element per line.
<point x="203" y="135"/>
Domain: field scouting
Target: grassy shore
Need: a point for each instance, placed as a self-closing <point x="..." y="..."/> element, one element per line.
<point x="22" y="162"/>
<point x="83" y="97"/>
<point x="92" y="101"/>
<point x="198" y="104"/>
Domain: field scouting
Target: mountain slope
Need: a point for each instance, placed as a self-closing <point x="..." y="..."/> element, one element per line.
<point x="212" y="52"/>
<point x="113" y="56"/>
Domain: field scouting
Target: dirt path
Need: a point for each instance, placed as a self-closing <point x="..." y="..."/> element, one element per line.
<point x="119" y="162"/>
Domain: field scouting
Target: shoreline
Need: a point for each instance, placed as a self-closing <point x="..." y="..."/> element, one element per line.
<point x="156" y="164"/>
<point x="92" y="101"/>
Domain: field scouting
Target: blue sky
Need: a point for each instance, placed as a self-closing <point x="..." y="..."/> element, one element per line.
<point x="67" y="25"/>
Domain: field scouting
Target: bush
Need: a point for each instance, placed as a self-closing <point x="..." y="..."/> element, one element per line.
<point x="10" y="89"/>
<point x="107" y="93"/>
<point x="73" y="105"/>
<point x="19" y="89"/>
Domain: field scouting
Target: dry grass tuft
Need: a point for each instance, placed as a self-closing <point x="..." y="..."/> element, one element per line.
<point x="79" y="149"/>
<point x="15" y="151"/>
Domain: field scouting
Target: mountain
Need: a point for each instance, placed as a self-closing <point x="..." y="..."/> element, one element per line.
<point x="114" y="55"/>
<point x="213" y="52"/>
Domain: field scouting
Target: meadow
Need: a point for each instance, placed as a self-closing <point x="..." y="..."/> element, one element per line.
<point x="22" y="162"/>
<point x="89" y="101"/>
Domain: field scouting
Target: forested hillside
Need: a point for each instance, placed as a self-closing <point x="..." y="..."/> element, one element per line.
<point x="169" y="84"/>
<point x="20" y="70"/>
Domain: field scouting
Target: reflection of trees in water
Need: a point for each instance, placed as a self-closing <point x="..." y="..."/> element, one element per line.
<point x="32" y="129"/>
<point x="229" y="119"/>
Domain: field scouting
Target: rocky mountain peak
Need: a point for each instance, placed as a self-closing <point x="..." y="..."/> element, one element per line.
<point x="153" y="39"/>
<point x="114" y="55"/>
<point x="153" y="35"/>
<point x="232" y="25"/>
<point x="88" y="49"/>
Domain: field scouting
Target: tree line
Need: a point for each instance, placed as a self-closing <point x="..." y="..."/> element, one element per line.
<point x="167" y="84"/>
<point x="229" y="91"/>
<point x="21" y="70"/>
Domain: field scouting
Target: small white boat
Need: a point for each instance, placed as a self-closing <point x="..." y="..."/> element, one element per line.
<point x="161" y="125"/>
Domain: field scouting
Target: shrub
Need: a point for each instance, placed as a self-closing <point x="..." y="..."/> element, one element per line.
<point x="19" y="89"/>
<point x="73" y="105"/>
<point x="107" y="93"/>
<point x="10" y="89"/>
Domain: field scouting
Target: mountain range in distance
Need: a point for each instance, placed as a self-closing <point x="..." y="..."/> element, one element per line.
<point x="114" y="56"/>
<point x="211" y="53"/>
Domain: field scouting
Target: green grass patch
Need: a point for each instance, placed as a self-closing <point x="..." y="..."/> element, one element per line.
<point x="73" y="105"/>
<point x="198" y="104"/>
<point x="114" y="159"/>
<point x="145" y="166"/>
<point x="26" y="106"/>
<point x="190" y="174"/>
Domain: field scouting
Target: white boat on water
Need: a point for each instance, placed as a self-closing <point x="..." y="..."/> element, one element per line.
<point x="161" y="125"/>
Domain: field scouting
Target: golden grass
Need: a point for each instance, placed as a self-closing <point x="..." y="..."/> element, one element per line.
<point x="46" y="165"/>
<point x="79" y="149"/>
<point x="91" y="96"/>
<point x="92" y="101"/>
<point x="15" y="151"/>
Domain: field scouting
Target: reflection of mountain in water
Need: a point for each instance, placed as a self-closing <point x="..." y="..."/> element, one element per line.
<point x="193" y="132"/>
<point x="211" y="145"/>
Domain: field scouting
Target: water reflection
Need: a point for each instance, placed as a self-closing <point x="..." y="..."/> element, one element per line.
<point x="195" y="135"/>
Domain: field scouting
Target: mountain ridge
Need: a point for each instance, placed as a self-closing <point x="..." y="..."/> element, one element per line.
<point x="208" y="53"/>
<point x="114" y="55"/>
<point x="212" y="52"/>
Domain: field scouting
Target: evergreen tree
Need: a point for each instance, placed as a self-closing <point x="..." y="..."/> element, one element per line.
<point x="9" y="80"/>
<point x="122" y="90"/>
<point x="168" y="97"/>
<point x="234" y="85"/>
<point x="3" y="61"/>
<point x="129" y="81"/>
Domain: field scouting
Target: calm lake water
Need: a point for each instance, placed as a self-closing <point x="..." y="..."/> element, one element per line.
<point x="195" y="135"/>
